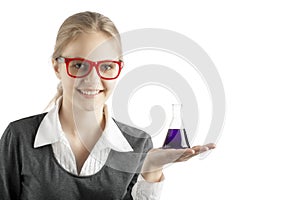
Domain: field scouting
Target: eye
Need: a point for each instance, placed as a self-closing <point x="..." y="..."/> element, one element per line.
<point x="80" y="65"/>
<point x="107" y="66"/>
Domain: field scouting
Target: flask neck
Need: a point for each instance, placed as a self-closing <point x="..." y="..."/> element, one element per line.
<point x="176" y="122"/>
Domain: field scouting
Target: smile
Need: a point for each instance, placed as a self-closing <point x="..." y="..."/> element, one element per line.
<point x="89" y="92"/>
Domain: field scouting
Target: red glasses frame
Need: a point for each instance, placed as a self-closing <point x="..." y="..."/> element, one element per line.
<point x="91" y="65"/>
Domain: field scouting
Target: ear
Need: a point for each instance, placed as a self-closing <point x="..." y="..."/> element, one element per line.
<point x="56" y="68"/>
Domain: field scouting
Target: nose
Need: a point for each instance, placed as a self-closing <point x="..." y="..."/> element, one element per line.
<point x="93" y="75"/>
<point x="93" y="79"/>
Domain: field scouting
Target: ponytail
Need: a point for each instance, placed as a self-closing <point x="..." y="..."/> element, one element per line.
<point x="58" y="94"/>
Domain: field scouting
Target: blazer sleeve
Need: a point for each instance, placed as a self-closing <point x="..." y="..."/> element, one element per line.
<point x="10" y="175"/>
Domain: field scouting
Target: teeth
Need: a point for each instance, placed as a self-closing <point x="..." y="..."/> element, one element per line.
<point x="89" y="92"/>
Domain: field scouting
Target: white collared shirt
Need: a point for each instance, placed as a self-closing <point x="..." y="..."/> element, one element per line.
<point x="50" y="132"/>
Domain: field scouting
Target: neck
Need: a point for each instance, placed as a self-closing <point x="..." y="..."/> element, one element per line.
<point x="82" y="124"/>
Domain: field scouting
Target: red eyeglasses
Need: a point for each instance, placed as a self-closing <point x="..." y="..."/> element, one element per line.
<point x="80" y="67"/>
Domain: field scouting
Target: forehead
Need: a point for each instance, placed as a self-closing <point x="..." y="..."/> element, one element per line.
<point x="93" y="46"/>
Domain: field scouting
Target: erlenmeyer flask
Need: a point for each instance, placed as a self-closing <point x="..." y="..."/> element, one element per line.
<point x="176" y="137"/>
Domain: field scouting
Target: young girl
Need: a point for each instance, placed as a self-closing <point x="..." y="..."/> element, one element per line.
<point x="76" y="150"/>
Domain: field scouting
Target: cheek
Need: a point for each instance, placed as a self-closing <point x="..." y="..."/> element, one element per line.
<point x="68" y="83"/>
<point x="109" y="85"/>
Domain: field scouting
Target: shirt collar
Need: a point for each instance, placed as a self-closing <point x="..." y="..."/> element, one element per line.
<point x="50" y="131"/>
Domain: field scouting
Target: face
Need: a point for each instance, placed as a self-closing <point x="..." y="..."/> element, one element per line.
<point x="90" y="92"/>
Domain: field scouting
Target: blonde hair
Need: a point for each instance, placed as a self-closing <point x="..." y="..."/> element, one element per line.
<point x="73" y="26"/>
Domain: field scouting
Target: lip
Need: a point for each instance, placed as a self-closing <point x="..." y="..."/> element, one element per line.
<point x="90" y="93"/>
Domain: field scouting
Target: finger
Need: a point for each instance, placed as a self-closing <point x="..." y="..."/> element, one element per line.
<point x="191" y="152"/>
<point x="196" y="148"/>
<point x="204" y="147"/>
<point x="200" y="149"/>
<point x="186" y="157"/>
<point x="182" y="159"/>
<point x="210" y="145"/>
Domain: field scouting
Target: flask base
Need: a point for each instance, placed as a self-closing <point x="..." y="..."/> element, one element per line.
<point x="176" y="139"/>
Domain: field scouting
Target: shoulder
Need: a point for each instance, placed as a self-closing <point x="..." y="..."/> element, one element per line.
<point x="25" y="127"/>
<point x="130" y="130"/>
<point x="136" y="137"/>
<point x="31" y="122"/>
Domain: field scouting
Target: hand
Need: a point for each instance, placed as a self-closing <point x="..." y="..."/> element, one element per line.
<point x="156" y="159"/>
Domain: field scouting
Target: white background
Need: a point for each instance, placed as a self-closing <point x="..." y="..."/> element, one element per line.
<point x="255" y="47"/>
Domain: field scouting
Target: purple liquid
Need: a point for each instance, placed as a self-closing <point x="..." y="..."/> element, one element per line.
<point x="174" y="139"/>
